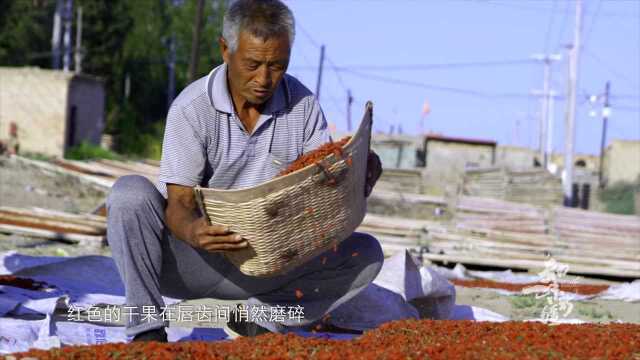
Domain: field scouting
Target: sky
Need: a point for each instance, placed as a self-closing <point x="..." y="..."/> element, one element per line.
<point x="473" y="62"/>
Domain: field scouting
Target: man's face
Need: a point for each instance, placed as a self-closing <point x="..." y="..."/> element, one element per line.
<point x="257" y="66"/>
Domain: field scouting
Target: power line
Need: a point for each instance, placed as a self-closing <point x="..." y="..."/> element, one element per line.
<point x="584" y="102"/>
<point x="550" y="26"/>
<point x="332" y="64"/>
<point x="619" y="75"/>
<point x="565" y="20"/>
<point x="434" y="87"/>
<point x="333" y="67"/>
<point x="413" y="67"/>
<point x="334" y="101"/>
<point x="593" y="23"/>
<point x="626" y="108"/>
<point x="625" y="96"/>
<point x="308" y="36"/>
<point x="588" y="94"/>
<point x="306" y="58"/>
<point x="543" y="10"/>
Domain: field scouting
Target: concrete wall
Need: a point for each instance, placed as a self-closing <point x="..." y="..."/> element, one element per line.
<point x="592" y="162"/>
<point x="40" y="102"/>
<point x="36" y="101"/>
<point x="396" y="152"/>
<point x="622" y="161"/>
<point x="515" y="157"/>
<point x="449" y="160"/>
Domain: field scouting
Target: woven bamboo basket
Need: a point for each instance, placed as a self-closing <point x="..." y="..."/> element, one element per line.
<point x="293" y="218"/>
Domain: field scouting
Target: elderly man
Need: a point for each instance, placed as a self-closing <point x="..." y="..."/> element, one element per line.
<point x="235" y="128"/>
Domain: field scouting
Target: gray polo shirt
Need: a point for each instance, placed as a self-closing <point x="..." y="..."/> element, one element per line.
<point x="206" y="144"/>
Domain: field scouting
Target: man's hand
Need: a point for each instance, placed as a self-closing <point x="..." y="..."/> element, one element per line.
<point x="187" y="224"/>
<point x="374" y="170"/>
<point x="214" y="237"/>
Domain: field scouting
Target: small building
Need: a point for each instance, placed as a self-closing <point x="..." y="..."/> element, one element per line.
<point x="622" y="161"/>
<point x="449" y="157"/>
<point x="585" y="161"/>
<point x="515" y="157"/>
<point x="49" y="111"/>
<point x="395" y="151"/>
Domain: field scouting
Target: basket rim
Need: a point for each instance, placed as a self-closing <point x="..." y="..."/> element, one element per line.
<point x="246" y="194"/>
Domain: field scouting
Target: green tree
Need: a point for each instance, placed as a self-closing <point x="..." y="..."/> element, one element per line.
<point x="121" y="38"/>
<point x="25" y="32"/>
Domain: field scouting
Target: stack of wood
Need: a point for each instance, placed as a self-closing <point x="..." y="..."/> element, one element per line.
<point x="503" y="234"/>
<point x="533" y="186"/>
<point x="53" y="225"/>
<point x="67" y="227"/>
<point x="598" y="235"/>
<point x="475" y="213"/>
<point x="102" y="173"/>
<point x="409" y="205"/>
<point x="396" y="234"/>
<point x="401" y="180"/>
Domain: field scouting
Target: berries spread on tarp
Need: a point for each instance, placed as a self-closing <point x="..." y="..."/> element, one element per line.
<point x="406" y="339"/>
<point x="23" y="283"/>
<point x="582" y="289"/>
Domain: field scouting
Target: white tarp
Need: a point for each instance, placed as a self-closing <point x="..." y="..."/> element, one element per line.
<point x="90" y="280"/>
<point x="626" y="292"/>
<point x="386" y="299"/>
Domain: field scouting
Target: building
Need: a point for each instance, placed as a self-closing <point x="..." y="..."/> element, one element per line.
<point x="396" y="151"/>
<point x="622" y="162"/>
<point x="49" y="110"/>
<point x="585" y="161"/>
<point x="515" y="157"/>
<point x="449" y="157"/>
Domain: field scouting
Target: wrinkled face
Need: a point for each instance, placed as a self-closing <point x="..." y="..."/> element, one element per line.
<point x="257" y="66"/>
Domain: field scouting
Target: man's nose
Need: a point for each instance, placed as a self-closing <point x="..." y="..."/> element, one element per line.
<point x="264" y="77"/>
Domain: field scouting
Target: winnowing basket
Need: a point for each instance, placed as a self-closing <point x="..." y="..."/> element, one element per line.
<point x="293" y="218"/>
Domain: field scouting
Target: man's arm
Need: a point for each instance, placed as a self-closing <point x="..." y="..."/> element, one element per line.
<point x="184" y="221"/>
<point x="181" y="168"/>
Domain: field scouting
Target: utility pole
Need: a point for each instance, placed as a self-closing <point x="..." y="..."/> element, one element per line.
<point x="570" y="130"/>
<point x="349" y="102"/>
<point x="606" y="112"/>
<point x="78" y="55"/>
<point x="195" y="42"/>
<point x="320" y="72"/>
<point x="550" y="121"/>
<point x="55" y="35"/>
<point x="544" y="114"/>
<point x="68" y="19"/>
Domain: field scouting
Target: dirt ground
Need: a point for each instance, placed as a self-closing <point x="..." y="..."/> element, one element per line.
<point x="26" y="186"/>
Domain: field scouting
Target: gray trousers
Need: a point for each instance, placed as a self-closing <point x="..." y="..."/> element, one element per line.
<point x="152" y="263"/>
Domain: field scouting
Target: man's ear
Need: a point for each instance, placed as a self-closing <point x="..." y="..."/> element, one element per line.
<point x="224" y="49"/>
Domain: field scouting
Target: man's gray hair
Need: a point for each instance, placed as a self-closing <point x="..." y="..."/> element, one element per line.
<point x="264" y="19"/>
